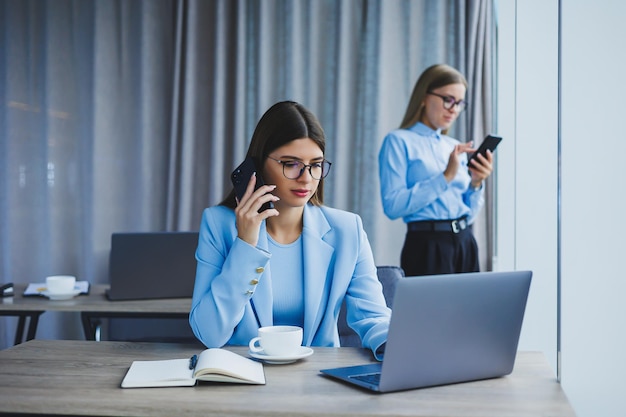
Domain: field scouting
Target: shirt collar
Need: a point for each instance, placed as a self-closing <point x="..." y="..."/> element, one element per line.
<point x="423" y="130"/>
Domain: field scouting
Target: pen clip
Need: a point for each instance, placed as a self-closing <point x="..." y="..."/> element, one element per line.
<point x="193" y="361"/>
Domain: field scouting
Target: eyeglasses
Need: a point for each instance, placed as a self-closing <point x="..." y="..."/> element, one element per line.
<point x="449" y="102"/>
<point x="294" y="169"/>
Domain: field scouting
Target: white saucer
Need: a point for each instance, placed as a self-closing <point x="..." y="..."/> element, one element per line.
<point x="303" y="352"/>
<point x="61" y="296"/>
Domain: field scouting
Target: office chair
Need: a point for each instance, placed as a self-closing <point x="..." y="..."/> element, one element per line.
<point x="388" y="276"/>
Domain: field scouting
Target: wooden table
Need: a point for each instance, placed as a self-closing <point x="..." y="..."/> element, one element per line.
<point x="83" y="378"/>
<point x="92" y="307"/>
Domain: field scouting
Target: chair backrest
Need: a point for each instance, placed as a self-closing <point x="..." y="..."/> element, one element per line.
<point x="388" y="276"/>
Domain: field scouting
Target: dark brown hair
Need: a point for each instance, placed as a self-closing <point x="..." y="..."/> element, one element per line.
<point x="283" y="122"/>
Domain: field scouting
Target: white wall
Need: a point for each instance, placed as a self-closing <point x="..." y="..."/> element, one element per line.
<point x="593" y="145"/>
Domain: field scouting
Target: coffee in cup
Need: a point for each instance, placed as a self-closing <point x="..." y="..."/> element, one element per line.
<point x="60" y="284"/>
<point x="277" y="340"/>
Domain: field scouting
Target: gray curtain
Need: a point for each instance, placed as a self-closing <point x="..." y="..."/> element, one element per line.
<point x="122" y="115"/>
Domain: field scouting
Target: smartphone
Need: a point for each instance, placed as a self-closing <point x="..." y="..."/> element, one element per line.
<point x="241" y="176"/>
<point x="490" y="143"/>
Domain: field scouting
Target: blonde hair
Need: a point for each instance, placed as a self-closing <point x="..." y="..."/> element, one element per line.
<point x="432" y="78"/>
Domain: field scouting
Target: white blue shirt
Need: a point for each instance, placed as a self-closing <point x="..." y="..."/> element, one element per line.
<point x="411" y="165"/>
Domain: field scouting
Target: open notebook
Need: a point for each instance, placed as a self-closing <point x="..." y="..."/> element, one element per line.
<point x="446" y="329"/>
<point x="212" y="365"/>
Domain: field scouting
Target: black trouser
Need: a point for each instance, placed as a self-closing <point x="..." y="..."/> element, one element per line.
<point x="439" y="252"/>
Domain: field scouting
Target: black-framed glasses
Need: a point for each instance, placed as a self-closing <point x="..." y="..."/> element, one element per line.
<point x="294" y="169"/>
<point x="449" y="102"/>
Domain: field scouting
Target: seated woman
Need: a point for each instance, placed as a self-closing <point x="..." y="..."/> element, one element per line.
<point x="293" y="264"/>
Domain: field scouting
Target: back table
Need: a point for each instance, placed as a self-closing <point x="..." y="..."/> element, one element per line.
<point x="92" y="308"/>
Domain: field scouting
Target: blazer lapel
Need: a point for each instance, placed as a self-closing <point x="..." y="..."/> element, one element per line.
<point x="317" y="255"/>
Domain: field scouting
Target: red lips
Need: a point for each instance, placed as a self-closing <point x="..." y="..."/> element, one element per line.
<point x="300" y="193"/>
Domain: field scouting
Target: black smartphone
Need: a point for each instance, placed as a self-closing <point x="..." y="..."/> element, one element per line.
<point x="490" y="143"/>
<point x="241" y="176"/>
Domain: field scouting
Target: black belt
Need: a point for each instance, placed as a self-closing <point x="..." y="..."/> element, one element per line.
<point x="454" y="226"/>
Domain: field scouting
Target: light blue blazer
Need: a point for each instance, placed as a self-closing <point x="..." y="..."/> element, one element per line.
<point x="232" y="295"/>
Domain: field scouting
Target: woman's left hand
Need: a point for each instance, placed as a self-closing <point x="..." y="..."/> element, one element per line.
<point x="480" y="168"/>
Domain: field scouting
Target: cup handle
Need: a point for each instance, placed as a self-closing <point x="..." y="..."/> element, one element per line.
<point x="253" y="347"/>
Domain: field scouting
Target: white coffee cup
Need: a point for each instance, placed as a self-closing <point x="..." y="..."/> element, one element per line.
<point x="60" y="284"/>
<point x="277" y="340"/>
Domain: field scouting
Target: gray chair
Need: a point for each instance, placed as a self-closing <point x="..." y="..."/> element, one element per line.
<point x="388" y="276"/>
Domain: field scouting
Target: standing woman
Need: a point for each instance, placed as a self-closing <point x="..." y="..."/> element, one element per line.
<point x="293" y="264"/>
<point x="425" y="178"/>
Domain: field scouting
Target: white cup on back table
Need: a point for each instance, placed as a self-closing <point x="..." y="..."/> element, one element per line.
<point x="60" y="284"/>
<point x="277" y="340"/>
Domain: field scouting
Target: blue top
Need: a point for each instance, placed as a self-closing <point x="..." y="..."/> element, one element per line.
<point x="234" y="293"/>
<point x="411" y="166"/>
<point x="287" y="282"/>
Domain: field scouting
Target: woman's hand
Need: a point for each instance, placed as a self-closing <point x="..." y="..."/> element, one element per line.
<point x="480" y="168"/>
<point x="248" y="218"/>
<point x="453" y="160"/>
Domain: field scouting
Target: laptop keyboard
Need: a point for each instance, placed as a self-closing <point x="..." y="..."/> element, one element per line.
<point x="373" y="378"/>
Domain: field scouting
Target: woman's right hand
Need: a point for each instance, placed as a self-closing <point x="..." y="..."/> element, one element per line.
<point x="248" y="218"/>
<point x="453" y="160"/>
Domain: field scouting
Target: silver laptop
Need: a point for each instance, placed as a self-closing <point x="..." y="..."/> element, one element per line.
<point x="446" y="329"/>
<point x="152" y="265"/>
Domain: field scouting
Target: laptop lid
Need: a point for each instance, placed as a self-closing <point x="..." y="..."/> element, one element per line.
<point x="446" y="329"/>
<point x="152" y="265"/>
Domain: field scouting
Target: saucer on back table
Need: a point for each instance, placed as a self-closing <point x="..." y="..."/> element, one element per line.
<point x="61" y="296"/>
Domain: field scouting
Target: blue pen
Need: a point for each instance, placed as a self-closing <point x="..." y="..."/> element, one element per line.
<point x="192" y="361"/>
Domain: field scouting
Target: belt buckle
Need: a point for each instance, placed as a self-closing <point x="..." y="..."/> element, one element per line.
<point x="455" y="226"/>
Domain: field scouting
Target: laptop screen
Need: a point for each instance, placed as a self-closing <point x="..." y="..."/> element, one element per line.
<point x="448" y="328"/>
<point x="152" y="265"/>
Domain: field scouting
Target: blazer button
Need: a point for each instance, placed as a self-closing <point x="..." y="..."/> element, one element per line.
<point x="260" y="269"/>
<point x="249" y="292"/>
<point x="254" y="282"/>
